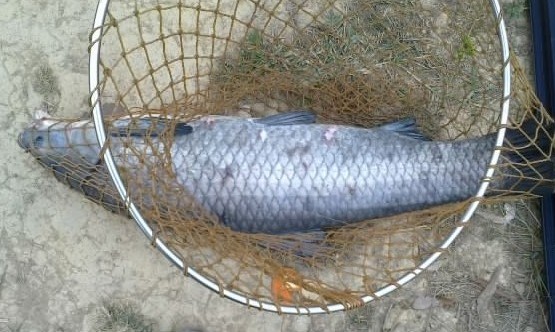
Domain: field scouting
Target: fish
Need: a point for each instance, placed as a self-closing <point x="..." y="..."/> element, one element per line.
<point x="287" y="173"/>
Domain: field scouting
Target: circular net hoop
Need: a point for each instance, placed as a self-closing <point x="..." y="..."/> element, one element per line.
<point x="447" y="64"/>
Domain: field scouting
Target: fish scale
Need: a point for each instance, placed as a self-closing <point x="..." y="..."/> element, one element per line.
<point x="297" y="179"/>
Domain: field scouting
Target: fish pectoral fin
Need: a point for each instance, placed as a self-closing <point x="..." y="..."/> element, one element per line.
<point x="288" y="118"/>
<point x="182" y="129"/>
<point x="406" y="127"/>
<point x="151" y="127"/>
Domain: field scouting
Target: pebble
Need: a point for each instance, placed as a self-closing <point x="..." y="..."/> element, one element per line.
<point x="441" y="21"/>
<point x="261" y="109"/>
<point x="243" y="114"/>
<point x="428" y="4"/>
<point x="425" y="302"/>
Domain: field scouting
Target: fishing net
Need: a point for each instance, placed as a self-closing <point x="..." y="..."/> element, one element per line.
<point x="355" y="62"/>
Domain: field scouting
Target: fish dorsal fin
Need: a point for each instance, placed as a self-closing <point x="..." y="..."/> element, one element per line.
<point x="406" y="127"/>
<point x="152" y="127"/>
<point x="288" y="118"/>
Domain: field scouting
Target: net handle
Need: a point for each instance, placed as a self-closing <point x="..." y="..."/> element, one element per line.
<point x="94" y="80"/>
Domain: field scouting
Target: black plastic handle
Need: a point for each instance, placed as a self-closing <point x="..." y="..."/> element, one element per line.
<point x="543" y="33"/>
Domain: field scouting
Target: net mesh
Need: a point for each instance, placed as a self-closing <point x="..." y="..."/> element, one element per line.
<point x="352" y="62"/>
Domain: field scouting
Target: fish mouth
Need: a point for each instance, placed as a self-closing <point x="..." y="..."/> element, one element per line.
<point x="21" y="141"/>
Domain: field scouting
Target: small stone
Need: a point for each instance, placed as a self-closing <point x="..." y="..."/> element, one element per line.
<point x="510" y="212"/>
<point x="261" y="109"/>
<point x="258" y="108"/>
<point x="273" y="104"/>
<point x="41" y="113"/>
<point x="441" y="21"/>
<point x="424" y="303"/>
<point x="520" y="288"/>
<point x="243" y="114"/>
<point x="529" y="329"/>
<point x="270" y="111"/>
<point x="282" y="106"/>
<point x="436" y="265"/>
<point x="428" y="4"/>
<point x="245" y="105"/>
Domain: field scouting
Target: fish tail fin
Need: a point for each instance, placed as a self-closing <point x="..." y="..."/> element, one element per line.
<point x="529" y="155"/>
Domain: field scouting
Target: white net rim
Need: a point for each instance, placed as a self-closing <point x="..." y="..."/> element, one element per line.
<point x="94" y="80"/>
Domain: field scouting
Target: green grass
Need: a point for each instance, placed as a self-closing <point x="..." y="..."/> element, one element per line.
<point x="45" y="82"/>
<point x="467" y="48"/>
<point x="516" y="9"/>
<point x="336" y="40"/>
<point x="117" y="317"/>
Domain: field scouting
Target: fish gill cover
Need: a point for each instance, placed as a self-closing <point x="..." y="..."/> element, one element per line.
<point x="181" y="80"/>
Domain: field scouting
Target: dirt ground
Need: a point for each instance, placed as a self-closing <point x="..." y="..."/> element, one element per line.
<point x="68" y="265"/>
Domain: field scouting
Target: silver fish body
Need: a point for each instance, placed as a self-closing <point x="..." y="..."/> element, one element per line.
<point x="292" y="178"/>
<point x="286" y="174"/>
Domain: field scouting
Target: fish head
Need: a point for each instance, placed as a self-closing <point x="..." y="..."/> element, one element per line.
<point x="52" y="141"/>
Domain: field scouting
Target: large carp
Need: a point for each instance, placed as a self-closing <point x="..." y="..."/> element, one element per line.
<point x="285" y="173"/>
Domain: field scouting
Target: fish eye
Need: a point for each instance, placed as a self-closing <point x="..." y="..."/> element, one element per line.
<point x="38" y="140"/>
